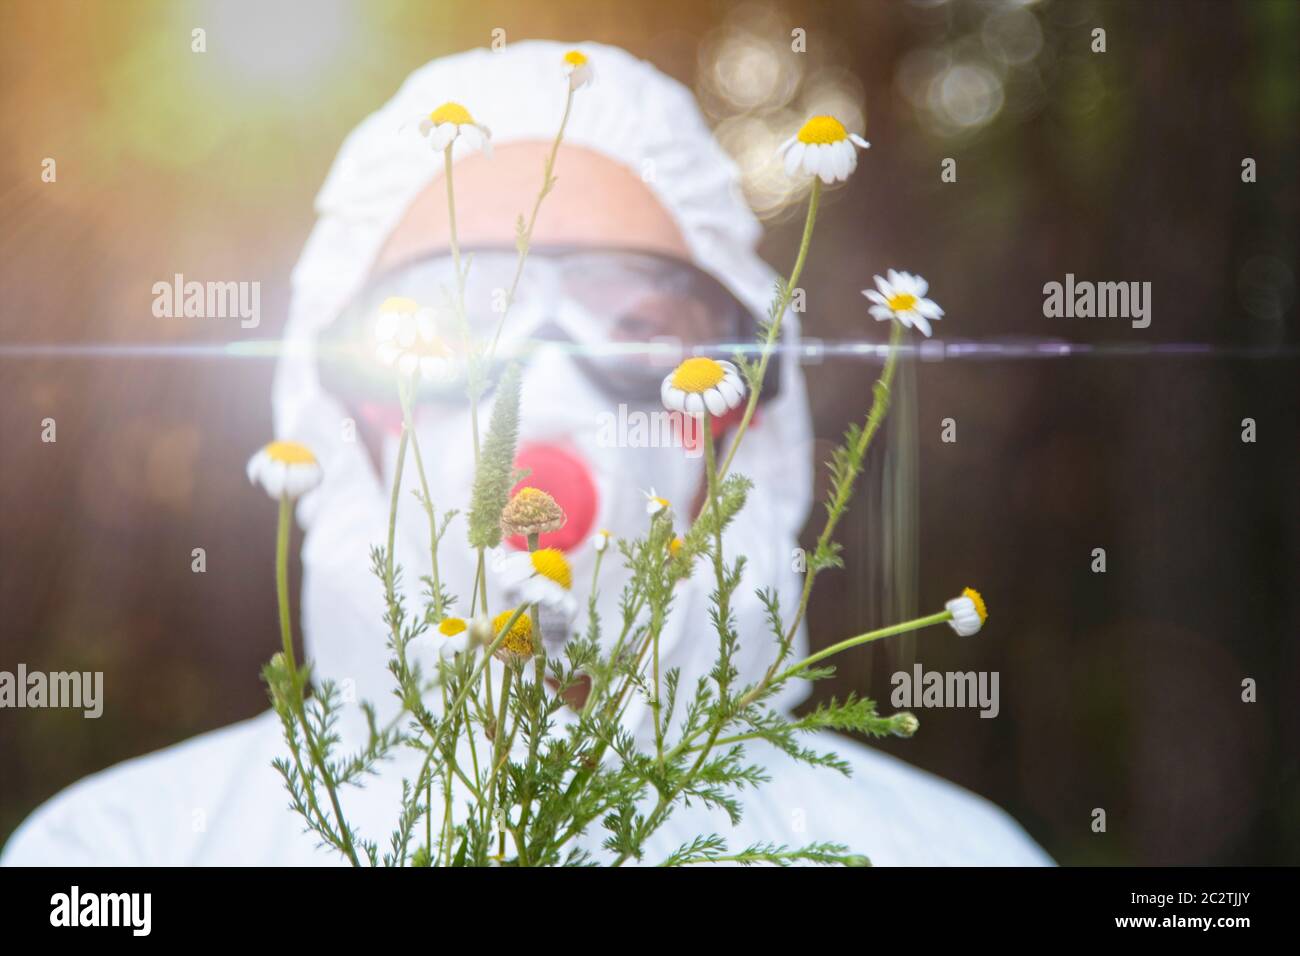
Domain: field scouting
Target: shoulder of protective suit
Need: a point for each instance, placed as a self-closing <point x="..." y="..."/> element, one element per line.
<point x="935" y="822"/>
<point x="895" y="813"/>
<point x="153" y="810"/>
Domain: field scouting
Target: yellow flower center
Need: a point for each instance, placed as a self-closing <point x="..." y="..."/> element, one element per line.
<point x="698" y="375"/>
<point x="290" y="453"/>
<point x="674" y="546"/>
<point x="822" y="129"/>
<point x="520" y="638"/>
<point x="902" y="302"/>
<point x="575" y="58"/>
<point x="399" y="303"/>
<point x="451" y="113"/>
<point x="980" y="609"/>
<point x="451" y="626"/>
<point x="551" y="563"/>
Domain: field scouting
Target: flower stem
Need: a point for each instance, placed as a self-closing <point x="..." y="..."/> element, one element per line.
<point x="499" y="753"/>
<point x="453" y="239"/>
<point x="595" y="575"/>
<point x="838" y="505"/>
<point x="598" y="681"/>
<point x="524" y="239"/>
<point x="408" y="425"/>
<point x="719" y="564"/>
<point x="913" y="625"/>
<point x="474" y="385"/>
<point x="535" y="714"/>
<point x="286" y="637"/>
<point x="774" y="326"/>
<point x="282" y="582"/>
<point x="711" y="477"/>
<point x="451" y="223"/>
<point x="389" y="584"/>
<point x="658" y="703"/>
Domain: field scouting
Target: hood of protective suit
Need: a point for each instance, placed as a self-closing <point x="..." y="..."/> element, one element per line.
<point x="636" y="116"/>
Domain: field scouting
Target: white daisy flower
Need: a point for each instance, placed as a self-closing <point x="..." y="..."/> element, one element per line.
<point x="654" y="504"/>
<point x="457" y="635"/>
<point x="902" y="296"/>
<point x="451" y="122"/>
<point x="541" y="577"/>
<point x="578" y="69"/>
<point x="968" y="612"/>
<point x="702" y="383"/>
<point x="600" y="540"/>
<point x="822" y="147"/>
<point x="285" y="469"/>
<point x="408" y="341"/>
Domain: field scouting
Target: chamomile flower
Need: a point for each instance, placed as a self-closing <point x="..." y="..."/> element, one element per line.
<point x="968" y="612"/>
<point x="285" y="468"/>
<point x="702" y="383"/>
<point x="518" y="641"/>
<point x="654" y="504"/>
<point x="822" y="147"/>
<point x="451" y="626"/>
<point x="901" y="296"/>
<point x="675" y="547"/>
<point x="600" y="541"/>
<point x="541" y="577"/>
<point x="531" y="511"/>
<point x="451" y="122"/>
<point x="578" y="69"/>
<point x="407" y="340"/>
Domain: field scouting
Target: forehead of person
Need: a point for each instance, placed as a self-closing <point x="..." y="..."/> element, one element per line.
<point x="596" y="201"/>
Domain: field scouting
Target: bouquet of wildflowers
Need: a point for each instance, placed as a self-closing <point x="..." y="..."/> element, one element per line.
<point x="501" y="779"/>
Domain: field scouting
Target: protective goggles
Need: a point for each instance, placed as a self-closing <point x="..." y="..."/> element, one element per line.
<point x="627" y="317"/>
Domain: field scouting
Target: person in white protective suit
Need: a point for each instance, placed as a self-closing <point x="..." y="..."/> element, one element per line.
<point x="645" y="199"/>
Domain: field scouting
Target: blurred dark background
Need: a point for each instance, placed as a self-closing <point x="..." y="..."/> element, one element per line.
<point x="1119" y="690"/>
